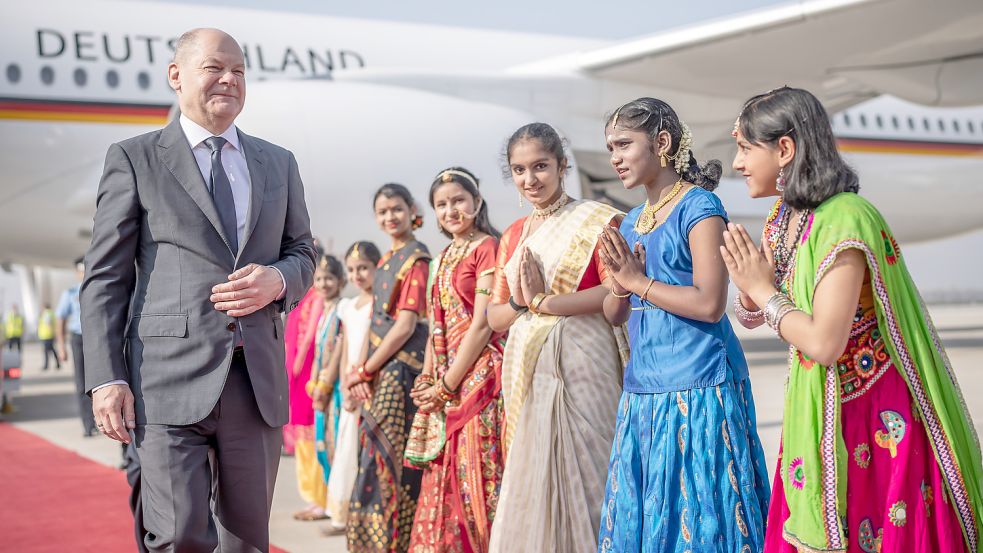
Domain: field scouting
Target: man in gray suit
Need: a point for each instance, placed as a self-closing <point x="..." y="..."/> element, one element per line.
<point x="201" y="240"/>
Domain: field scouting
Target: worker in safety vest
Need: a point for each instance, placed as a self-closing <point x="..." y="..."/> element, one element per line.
<point x="46" y="333"/>
<point x="13" y="328"/>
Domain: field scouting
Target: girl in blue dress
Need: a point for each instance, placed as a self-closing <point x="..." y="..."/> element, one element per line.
<point x="687" y="472"/>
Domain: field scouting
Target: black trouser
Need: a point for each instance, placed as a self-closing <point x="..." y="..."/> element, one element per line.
<point x="85" y="402"/>
<point x="13" y="341"/>
<point x="49" y="348"/>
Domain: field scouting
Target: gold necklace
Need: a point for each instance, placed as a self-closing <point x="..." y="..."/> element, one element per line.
<point x="456" y="251"/>
<point x="552" y="208"/>
<point x="646" y="219"/>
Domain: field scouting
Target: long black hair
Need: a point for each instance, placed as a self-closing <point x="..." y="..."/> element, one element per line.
<point x="466" y="180"/>
<point x="653" y="116"/>
<point x="816" y="172"/>
<point x="395" y="190"/>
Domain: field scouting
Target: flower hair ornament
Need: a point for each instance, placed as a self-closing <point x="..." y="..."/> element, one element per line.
<point x="681" y="159"/>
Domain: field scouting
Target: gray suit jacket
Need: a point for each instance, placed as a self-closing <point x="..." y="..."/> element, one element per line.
<point x="157" y="250"/>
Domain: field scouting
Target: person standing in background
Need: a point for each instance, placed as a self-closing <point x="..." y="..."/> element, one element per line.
<point x="46" y="333"/>
<point x="69" y="330"/>
<point x="13" y="328"/>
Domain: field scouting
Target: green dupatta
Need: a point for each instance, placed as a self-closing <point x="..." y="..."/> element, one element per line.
<point x="811" y="432"/>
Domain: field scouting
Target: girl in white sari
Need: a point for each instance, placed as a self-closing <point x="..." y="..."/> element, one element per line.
<point x="562" y="368"/>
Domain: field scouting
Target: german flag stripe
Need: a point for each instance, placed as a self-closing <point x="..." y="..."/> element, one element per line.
<point x="909" y="147"/>
<point x="81" y="111"/>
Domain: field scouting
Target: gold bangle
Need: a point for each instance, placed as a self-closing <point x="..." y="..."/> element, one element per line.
<point x="482" y="291"/>
<point x="620" y="296"/>
<point x="537" y="300"/>
<point x="645" y="294"/>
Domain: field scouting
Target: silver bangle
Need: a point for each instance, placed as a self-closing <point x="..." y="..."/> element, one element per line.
<point x="746" y="315"/>
<point x="786" y="309"/>
<point x="775" y="310"/>
<point x="775" y="303"/>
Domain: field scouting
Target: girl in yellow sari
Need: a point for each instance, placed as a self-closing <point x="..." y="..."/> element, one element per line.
<point x="561" y="372"/>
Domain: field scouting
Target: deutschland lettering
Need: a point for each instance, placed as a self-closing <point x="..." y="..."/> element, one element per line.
<point x="154" y="50"/>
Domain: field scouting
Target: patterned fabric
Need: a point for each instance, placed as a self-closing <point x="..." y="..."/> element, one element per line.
<point x="687" y="473"/>
<point x="384" y="499"/>
<point x="561" y="382"/>
<point x="460" y="487"/>
<point x="895" y="489"/>
<point x="813" y="428"/>
<point x="326" y="424"/>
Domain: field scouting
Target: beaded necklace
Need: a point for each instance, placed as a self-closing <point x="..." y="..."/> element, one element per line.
<point x="552" y="208"/>
<point x="449" y="261"/>
<point x="646" y="219"/>
<point x="785" y="255"/>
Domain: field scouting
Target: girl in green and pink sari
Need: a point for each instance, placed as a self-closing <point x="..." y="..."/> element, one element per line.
<point x="878" y="450"/>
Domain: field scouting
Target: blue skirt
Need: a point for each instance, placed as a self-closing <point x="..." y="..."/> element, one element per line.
<point x="687" y="473"/>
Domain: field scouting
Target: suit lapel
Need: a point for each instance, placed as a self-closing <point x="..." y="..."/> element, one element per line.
<point x="256" y="163"/>
<point x="177" y="157"/>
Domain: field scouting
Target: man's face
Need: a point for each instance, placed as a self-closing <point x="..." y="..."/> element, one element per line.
<point x="209" y="79"/>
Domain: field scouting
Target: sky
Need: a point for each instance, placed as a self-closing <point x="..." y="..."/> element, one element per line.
<point x="593" y="19"/>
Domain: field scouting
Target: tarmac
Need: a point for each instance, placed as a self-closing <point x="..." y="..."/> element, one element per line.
<point x="46" y="406"/>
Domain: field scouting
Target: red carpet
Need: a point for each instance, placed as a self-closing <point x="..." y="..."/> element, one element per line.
<point x="53" y="500"/>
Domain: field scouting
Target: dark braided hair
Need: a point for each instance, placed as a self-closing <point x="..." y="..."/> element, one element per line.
<point x="653" y="116"/>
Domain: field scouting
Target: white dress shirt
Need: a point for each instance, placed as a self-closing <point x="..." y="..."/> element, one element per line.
<point x="233" y="160"/>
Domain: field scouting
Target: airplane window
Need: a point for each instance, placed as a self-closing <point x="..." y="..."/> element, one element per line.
<point x="143" y="79"/>
<point x="846" y="119"/>
<point x="894" y="121"/>
<point x="971" y="127"/>
<point x="941" y="125"/>
<point x="112" y="78"/>
<point x="926" y="124"/>
<point x="911" y="123"/>
<point x="80" y="76"/>
<point x="863" y="120"/>
<point x="47" y="74"/>
<point x="13" y="73"/>
<point x="955" y="125"/>
<point x="880" y="122"/>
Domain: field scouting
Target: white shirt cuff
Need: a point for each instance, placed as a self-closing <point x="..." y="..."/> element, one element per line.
<point x="283" y="290"/>
<point x="111" y="383"/>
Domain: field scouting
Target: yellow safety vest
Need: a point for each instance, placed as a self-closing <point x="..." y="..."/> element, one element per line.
<point x="14" y="326"/>
<point x="46" y="325"/>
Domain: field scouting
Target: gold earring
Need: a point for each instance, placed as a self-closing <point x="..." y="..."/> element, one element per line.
<point x="663" y="159"/>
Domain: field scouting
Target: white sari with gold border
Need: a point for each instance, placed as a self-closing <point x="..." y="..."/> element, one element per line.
<point x="561" y="380"/>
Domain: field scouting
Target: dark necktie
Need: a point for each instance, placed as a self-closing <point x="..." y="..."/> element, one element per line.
<point x="221" y="190"/>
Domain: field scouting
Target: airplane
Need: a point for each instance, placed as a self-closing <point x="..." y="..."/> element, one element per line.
<point x="364" y="102"/>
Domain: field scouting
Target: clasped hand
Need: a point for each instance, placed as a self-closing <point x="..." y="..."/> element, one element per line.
<point x="424" y="395"/>
<point x="249" y="289"/>
<point x="531" y="280"/>
<point x="751" y="268"/>
<point x="626" y="266"/>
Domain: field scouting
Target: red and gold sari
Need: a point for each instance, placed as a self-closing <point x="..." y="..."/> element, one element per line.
<point x="461" y="483"/>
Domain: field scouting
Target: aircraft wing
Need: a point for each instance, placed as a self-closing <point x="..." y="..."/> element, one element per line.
<point x="842" y="50"/>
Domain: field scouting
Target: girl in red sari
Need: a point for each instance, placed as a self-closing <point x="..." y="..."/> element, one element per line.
<point x="456" y="434"/>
